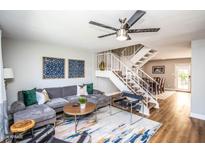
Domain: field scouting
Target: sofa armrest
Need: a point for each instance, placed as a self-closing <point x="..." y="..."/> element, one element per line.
<point x="17" y="106"/>
<point x="95" y="91"/>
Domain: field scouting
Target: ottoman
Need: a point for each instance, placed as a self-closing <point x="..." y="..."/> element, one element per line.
<point x="42" y="114"/>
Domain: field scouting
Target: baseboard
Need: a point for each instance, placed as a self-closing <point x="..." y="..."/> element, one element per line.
<point x="198" y="116"/>
<point x="170" y="89"/>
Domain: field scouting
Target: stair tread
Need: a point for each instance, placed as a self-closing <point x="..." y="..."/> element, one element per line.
<point x="140" y="93"/>
<point x="151" y="105"/>
<point x="134" y="87"/>
<point x="147" y="55"/>
<point x="146" y="98"/>
<point x="152" y="51"/>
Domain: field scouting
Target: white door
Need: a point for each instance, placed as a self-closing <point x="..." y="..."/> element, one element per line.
<point x="183" y="77"/>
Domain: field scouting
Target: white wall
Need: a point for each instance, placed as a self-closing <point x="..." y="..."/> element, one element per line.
<point x="103" y="84"/>
<point x="1" y="76"/>
<point x="169" y="74"/>
<point x="25" y="58"/>
<point x="1" y="96"/>
<point x="198" y="76"/>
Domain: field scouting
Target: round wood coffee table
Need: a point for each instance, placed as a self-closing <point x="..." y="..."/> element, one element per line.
<point x="75" y="111"/>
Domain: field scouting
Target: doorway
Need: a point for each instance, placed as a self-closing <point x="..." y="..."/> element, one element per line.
<point x="183" y="77"/>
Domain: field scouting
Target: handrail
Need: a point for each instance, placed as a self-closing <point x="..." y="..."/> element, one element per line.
<point x="130" y="70"/>
<point x="134" y="76"/>
<point x="148" y="76"/>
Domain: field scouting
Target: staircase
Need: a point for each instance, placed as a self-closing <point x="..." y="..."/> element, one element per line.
<point x="142" y="57"/>
<point x="125" y="79"/>
<point x="137" y="55"/>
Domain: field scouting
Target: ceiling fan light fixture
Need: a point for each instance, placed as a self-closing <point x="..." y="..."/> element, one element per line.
<point x="122" y="35"/>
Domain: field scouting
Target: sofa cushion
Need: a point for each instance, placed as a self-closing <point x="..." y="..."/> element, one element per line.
<point x="57" y="103"/>
<point x="36" y="112"/>
<point x="55" y="92"/>
<point x="99" y="99"/>
<point x="90" y="88"/>
<point x="30" y="97"/>
<point x="17" y="106"/>
<point x="20" y="96"/>
<point x="81" y="90"/>
<point x="69" y="91"/>
<point x="72" y="99"/>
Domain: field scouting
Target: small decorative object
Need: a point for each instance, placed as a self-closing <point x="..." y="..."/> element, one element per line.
<point x="76" y="68"/>
<point x="81" y="90"/>
<point x="102" y="66"/>
<point x="53" y="68"/>
<point x="158" y="69"/>
<point x="76" y="105"/>
<point x="82" y="101"/>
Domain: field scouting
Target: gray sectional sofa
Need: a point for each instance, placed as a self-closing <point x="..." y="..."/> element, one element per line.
<point x="46" y="113"/>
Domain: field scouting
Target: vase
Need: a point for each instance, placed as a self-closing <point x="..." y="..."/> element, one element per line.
<point x="102" y="66"/>
<point x="82" y="106"/>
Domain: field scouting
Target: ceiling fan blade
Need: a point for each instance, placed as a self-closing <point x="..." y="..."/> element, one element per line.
<point x="106" y="35"/>
<point x="143" y="30"/>
<point x="135" y="17"/>
<point x="102" y="25"/>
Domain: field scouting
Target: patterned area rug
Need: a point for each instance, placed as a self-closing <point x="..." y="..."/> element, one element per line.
<point x="115" y="128"/>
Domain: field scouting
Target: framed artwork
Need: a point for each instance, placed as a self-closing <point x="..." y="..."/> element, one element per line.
<point x="158" y="69"/>
<point x="76" y="68"/>
<point x="53" y="68"/>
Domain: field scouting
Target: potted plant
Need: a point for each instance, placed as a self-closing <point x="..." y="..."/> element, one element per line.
<point x="82" y="101"/>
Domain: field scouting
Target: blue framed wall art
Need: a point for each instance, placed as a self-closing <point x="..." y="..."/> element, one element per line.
<point x="53" y="68"/>
<point x="76" y="68"/>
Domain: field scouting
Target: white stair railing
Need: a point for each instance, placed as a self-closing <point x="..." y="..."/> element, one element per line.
<point x="148" y="79"/>
<point x="125" y="74"/>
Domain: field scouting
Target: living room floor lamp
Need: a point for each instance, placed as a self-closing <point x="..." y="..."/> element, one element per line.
<point x="8" y="74"/>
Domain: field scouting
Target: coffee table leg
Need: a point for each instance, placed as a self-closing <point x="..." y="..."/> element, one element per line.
<point x="110" y="110"/>
<point x="96" y="119"/>
<point x="14" y="138"/>
<point x="75" y="124"/>
<point x="32" y="133"/>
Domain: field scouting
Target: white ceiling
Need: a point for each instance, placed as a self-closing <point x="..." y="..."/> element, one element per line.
<point x="71" y="29"/>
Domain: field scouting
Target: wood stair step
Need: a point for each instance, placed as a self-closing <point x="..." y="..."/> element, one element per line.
<point x="130" y="84"/>
<point x="147" y="55"/>
<point x="152" y="51"/>
<point x="135" y="88"/>
<point x="142" y="59"/>
<point x="137" y="63"/>
<point x="140" y="93"/>
<point x="145" y="98"/>
<point x="151" y="105"/>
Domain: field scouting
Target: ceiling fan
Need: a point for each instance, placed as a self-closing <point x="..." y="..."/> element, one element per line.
<point x="122" y="32"/>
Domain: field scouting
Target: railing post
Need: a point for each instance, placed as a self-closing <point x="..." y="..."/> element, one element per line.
<point x="110" y="62"/>
<point x="97" y="63"/>
<point x="107" y="61"/>
<point x="156" y="90"/>
<point x="126" y="74"/>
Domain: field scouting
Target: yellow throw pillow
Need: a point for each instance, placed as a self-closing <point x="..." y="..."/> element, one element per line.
<point x="44" y="92"/>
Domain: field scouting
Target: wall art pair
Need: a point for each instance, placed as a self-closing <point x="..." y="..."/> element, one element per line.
<point x="54" y="68"/>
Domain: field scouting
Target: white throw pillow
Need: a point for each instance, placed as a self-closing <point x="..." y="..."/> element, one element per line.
<point x="44" y="92"/>
<point x="40" y="98"/>
<point x="81" y="90"/>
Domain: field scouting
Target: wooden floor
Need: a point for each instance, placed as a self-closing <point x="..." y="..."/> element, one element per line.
<point x="177" y="126"/>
